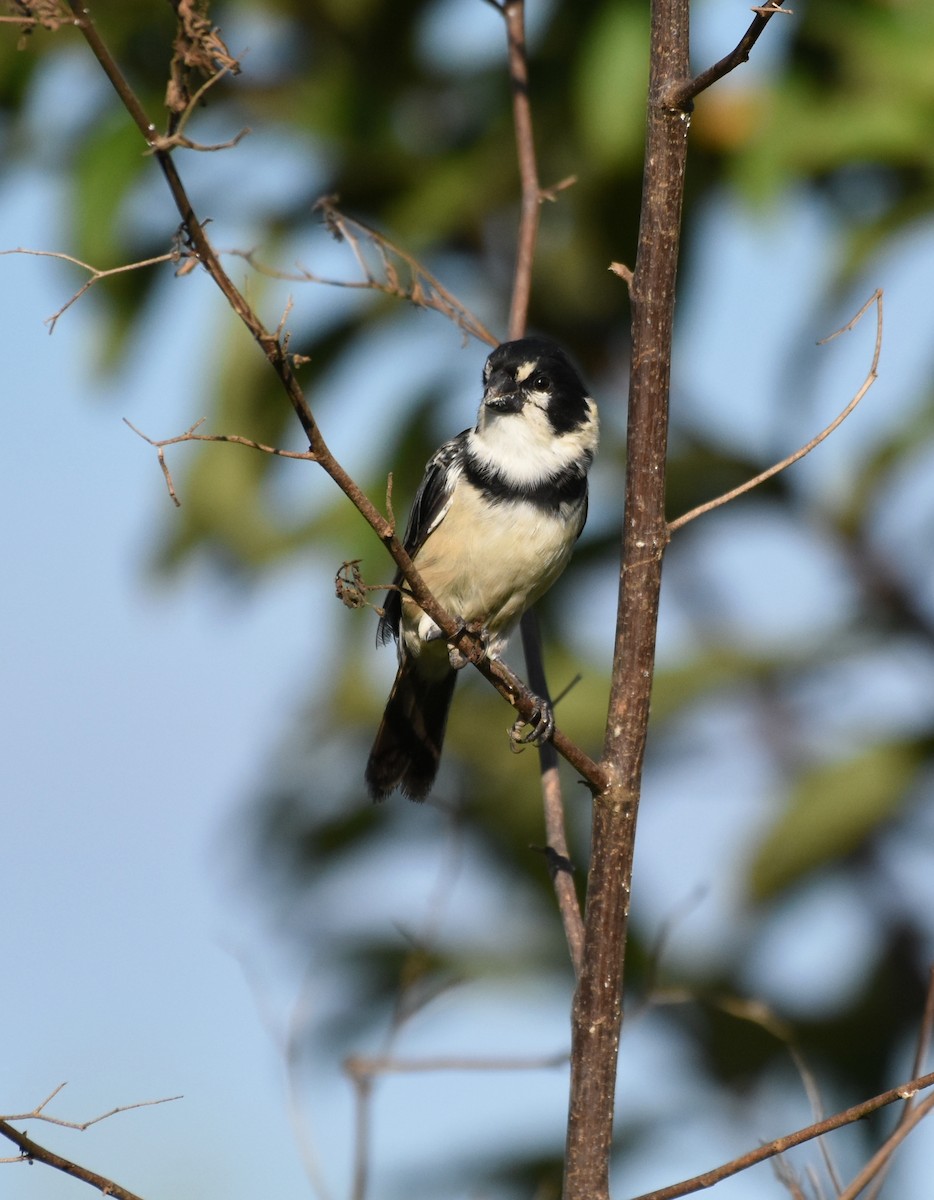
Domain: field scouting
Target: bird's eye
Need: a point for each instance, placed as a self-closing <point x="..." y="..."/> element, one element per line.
<point x="541" y="383"/>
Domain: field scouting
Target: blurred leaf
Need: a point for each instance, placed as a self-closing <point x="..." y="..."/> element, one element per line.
<point x="831" y="811"/>
<point x="612" y="72"/>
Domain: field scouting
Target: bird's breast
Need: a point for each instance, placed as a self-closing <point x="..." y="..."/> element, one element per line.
<point x="488" y="562"/>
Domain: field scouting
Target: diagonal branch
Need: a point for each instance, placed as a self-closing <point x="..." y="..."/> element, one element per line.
<point x="276" y="352"/>
<point x="98" y="273"/>
<point x="681" y="94"/>
<point x="39" y="1114"/>
<point x="921" y="1052"/>
<point x="776" y="468"/>
<point x="779" y="1145"/>
<point x="191" y="436"/>
<point x="399" y="273"/>
<point x="33" y="1152"/>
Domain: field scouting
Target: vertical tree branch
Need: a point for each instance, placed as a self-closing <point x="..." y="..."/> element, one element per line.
<point x="597" y="1012"/>
<point x="559" y="859"/>
<point x="531" y="198"/>
<point x="514" y="15"/>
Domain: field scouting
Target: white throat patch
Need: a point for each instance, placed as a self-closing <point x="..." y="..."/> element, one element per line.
<point x="522" y="447"/>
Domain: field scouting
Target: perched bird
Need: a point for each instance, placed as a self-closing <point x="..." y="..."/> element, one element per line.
<point x="492" y="527"/>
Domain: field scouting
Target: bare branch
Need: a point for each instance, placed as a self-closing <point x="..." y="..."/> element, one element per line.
<point x="396" y="272"/>
<point x="38" y="1113"/>
<point x="847" y="1117"/>
<point x="776" y="468"/>
<point x="681" y="95"/>
<point x="597" y="1012"/>
<point x="31" y="1151"/>
<point x="177" y="138"/>
<point x="556" y="851"/>
<point x="880" y="1160"/>
<point x="921" y="1053"/>
<point x="514" y="14"/>
<point x="50" y="14"/>
<point x="98" y="273"/>
<point x="191" y="436"/>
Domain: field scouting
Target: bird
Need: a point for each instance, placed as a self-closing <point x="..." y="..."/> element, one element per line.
<point x="492" y="526"/>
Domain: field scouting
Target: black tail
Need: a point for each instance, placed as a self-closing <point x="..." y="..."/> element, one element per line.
<point x="407" y="749"/>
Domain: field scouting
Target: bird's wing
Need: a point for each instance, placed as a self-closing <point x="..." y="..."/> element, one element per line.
<point x="429" y="509"/>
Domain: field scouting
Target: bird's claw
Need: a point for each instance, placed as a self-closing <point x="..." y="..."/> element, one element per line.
<point x="541" y="727"/>
<point x="456" y="657"/>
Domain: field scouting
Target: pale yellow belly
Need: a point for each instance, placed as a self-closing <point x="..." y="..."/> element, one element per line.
<point x="489" y="565"/>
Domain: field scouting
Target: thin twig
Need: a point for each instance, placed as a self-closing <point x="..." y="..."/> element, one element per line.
<point x="190" y="436"/>
<point x="531" y="198"/>
<point x="779" y="1145"/>
<point x="31" y="1151"/>
<point x="817" y="1110"/>
<point x="557" y="851"/>
<point x="680" y="96"/>
<point x="177" y="137"/>
<point x="38" y="1113"/>
<point x="921" y="1052"/>
<point x="776" y="468"/>
<point x="96" y="273"/>
<point x="880" y="1160"/>
<point x="400" y="274"/>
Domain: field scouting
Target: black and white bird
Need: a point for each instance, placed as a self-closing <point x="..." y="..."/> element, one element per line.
<point x="492" y="527"/>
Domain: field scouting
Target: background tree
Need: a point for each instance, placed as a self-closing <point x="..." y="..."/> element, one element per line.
<point x="790" y="753"/>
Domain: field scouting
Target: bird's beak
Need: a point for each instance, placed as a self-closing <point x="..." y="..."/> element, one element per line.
<point x="502" y="395"/>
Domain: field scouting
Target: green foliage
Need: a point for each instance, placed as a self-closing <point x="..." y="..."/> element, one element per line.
<point x="832" y="810"/>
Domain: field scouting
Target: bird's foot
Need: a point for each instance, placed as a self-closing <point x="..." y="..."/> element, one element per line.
<point x="541" y="726"/>
<point x="457" y="658"/>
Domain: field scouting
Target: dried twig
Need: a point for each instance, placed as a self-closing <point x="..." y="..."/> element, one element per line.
<point x="847" y="1117"/>
<point x="39" y="1114"/>
<point x="191" y="436"/>
<point x="922" y="1048"/>
<point x="98" y="273"/>
<point x="880" y="1160"/>
<point x="50" y="14"/>
<point x="198" y="50"/>
<point x="31" y="1151"/>
<point x="776" y="468"/>
<point x="177" y="137"/>
<point x="394" y="272"/>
